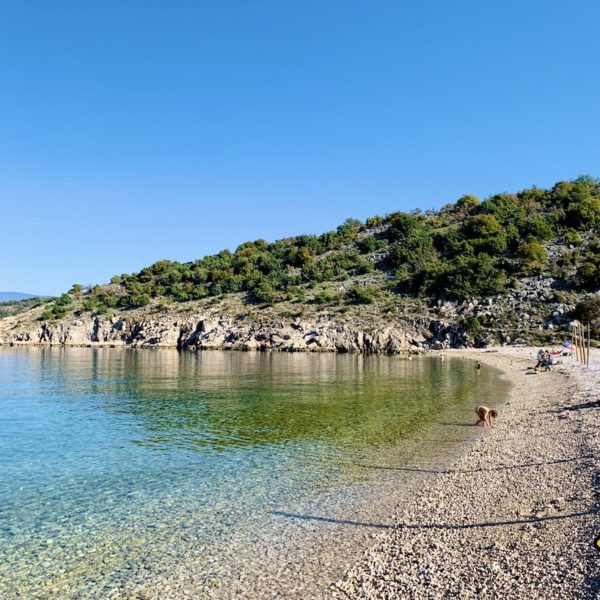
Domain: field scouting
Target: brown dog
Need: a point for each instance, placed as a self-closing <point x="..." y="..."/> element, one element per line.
<point x="486" y="415"/>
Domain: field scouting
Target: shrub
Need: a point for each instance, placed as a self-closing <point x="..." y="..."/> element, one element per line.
<point x="572" y="237"/>
<point x="587" y="310"/>
<point x="59" y="308"/>
<point x="466" y="276"/>
<point x="473" y="325"/>
<point x="375" y="221"/>
<point x="370" y="244"/>
<point x="264" y="294"/>
<point x="359" y="294"/>
<point x="467" y="204"/>
<point x="537" y="228"/>
<point x="584" y="213"/>
<point x="485" y="233"/>
<point x="76" y="290"/>
<point x="533" y="258"/>
<point x="588" y="274"/>
<point x="328" y="297"/>
<point x="138" y="300"/>
<point x="349" y="229"/>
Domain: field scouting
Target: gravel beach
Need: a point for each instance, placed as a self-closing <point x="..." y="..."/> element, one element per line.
<point x="516" y="516"/>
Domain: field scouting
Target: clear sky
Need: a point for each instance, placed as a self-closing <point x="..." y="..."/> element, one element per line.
<point x="132" y="131"/>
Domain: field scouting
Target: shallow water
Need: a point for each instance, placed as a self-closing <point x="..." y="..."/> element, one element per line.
<point x="121" y="468"/>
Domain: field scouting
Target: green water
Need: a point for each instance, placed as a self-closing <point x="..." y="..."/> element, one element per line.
<point x="119" y="466"/>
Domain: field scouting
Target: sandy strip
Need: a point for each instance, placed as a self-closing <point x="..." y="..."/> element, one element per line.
<point x="517" y="514"/>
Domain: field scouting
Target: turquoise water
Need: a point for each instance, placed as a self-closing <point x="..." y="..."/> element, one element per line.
<point x="119" y="466"/>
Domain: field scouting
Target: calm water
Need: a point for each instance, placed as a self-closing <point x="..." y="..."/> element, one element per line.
<point x="119" y="467"/>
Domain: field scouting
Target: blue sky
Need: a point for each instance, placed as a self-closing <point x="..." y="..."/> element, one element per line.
<point x="136" y="131"/>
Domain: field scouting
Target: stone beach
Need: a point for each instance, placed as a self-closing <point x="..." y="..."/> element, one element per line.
<point x="516" y="516"/>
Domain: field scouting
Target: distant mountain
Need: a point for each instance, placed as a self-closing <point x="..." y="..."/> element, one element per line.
<point x="12" y="296"/>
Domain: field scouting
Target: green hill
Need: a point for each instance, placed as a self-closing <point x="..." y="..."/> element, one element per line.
<point x="512" y="266"/>
<point x="471" y="248"/>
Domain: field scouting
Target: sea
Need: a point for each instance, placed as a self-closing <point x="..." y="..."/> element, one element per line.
<point x="163" y="474"/>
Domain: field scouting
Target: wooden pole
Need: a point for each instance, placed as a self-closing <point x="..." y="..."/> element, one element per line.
<point x="589" y="341"/>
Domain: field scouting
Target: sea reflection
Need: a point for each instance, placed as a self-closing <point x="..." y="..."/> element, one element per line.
<point x="213" y="400"/>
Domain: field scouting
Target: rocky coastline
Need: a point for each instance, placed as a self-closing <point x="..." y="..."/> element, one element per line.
<point x="223" y="333"/>
<point x="406" y="326"/>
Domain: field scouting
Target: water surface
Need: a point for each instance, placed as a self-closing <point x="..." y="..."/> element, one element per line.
<point x="123" y="470"/>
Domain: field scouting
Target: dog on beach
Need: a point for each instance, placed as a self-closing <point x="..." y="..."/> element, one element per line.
<point x="486" y="415"/>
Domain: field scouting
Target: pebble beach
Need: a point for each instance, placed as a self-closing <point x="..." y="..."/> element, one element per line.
<point x="516" y="516"/>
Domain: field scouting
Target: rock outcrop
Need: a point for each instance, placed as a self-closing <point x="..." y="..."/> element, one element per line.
<point x="222" y="332"/>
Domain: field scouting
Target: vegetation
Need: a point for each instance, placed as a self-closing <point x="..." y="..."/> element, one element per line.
<point x="588" y="311"/>
<point x="15" y="307"/>
<point x="467" y="249"/>
<point x="57" y="309"/>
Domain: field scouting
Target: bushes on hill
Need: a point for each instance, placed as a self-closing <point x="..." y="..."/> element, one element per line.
<point x="587" y="310"/>
<point x="59" y="308"/>
<point x="359" y="294"/>
<point x="533" y="258"/>
<point x="469" y="248"/>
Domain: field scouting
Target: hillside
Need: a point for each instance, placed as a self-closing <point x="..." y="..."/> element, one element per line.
<point x="510" y="267"/>
<point x="17" y="306"/>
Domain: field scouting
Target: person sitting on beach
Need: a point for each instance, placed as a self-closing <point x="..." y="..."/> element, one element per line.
<point x="540" y="358"/>
<point x="545" y="361"/>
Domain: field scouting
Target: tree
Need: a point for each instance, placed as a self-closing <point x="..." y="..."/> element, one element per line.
<point x="485" y="233"/>
<point x="533" y="258"/>
<point x="467" y="204"/>
<point x="588" y="310"/>
<point x="264" y="294"/>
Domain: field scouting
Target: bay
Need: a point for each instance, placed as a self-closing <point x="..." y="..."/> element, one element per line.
<point x="128" y="472"/>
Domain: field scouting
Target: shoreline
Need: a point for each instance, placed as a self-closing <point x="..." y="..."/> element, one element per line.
<point x="512" y="511"/>
<point x="517" y="514"/>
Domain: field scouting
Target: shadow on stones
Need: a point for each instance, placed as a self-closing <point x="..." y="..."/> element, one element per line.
<point x="443" y="526"/>
<point x="582" y="406"/>
<point x="467" y="471"/>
